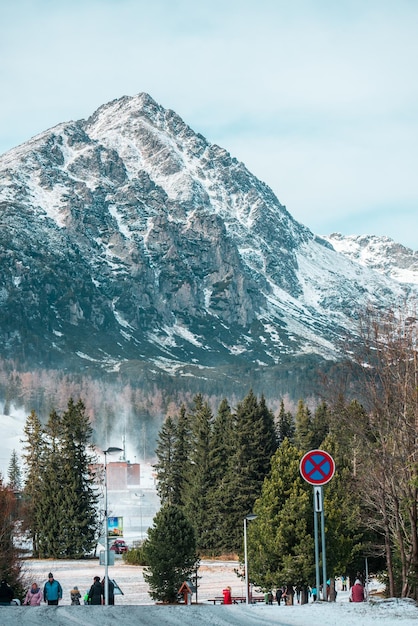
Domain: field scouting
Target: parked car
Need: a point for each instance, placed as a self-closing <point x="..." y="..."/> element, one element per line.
<point x="119" y="546"/>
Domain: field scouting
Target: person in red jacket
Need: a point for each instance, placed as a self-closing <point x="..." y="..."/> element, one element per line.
<point x="227" y="595"/>
<point x="357" y="592"/>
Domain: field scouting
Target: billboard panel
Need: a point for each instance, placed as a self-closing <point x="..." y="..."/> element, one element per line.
<point x="115" y="526"/>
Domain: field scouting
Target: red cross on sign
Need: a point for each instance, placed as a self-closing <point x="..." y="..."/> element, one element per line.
<point x="317" y="467"/>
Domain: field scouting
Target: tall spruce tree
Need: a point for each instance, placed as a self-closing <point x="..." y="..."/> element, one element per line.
<point x="303" y="424"/>
<point x="51" y="509"/>
<point x="62" y="515"/>
<point x="285" y="426"/>
<point x="80" y="493"/>
<point x="249" y="465"/>
<point x="181" y="457"/>
<point x="14" y="473"/>
<point x="199" y="479"/>
<point x="221" y="453"/>
<point x="170" y="553"/>
<point x="33" y="456"/>
<point x="167" y="482"/>
<point x="320" y="425"/>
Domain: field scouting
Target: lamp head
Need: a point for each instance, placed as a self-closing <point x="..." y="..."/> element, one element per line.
<point x="112" y="449"/>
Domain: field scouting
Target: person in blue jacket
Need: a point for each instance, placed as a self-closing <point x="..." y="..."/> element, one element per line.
<point x="52" y="590"/>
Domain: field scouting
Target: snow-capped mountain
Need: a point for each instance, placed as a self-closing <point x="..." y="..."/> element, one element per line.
<point x="128" y="238"/>
<point x="379" y="253"/>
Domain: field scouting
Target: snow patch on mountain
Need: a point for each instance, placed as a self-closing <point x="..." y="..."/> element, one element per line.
<point x="381" y="254"/>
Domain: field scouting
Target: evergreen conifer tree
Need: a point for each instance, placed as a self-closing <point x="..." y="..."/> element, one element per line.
<point x="52" y="516"/>
<point x="181" y="458"/>
<point x="253" y="434"/>
<point x="33" y="455"/>
<point x="199" y="479"/>
<point x="80" y="494"/>
<point x="221" y="453"/>
<point x="170" y="552"/>
<point x="167" y="484"/>
<point x="14" y="474"/>
<point x="286" y="425"/>
<point x="61" y="497"/>
<point x="303" y="424"/>
<point x="320" y="425"/>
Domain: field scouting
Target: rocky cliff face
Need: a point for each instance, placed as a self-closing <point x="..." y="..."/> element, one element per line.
<point x="129" y="237"/>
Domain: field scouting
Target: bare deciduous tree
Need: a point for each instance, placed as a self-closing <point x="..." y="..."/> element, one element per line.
<point x="387" y="433"/>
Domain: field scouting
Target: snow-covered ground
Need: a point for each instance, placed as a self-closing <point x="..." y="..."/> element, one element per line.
<point x="136" y="607"/>
<point x="12" y="434"/>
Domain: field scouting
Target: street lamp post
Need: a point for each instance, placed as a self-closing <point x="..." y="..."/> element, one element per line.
<point x="106" y="589"/>
<point x="247" y="518"/>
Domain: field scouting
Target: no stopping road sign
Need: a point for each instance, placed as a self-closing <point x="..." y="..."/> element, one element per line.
<point x="317" y="467"/>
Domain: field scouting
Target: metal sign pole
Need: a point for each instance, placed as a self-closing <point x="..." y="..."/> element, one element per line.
<point x="316" y="541"/>
<point x="317" y="467"/>
<point x="324" y="558"/>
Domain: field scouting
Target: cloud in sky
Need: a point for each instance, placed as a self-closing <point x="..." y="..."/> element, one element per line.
<point x="318" y="99"/>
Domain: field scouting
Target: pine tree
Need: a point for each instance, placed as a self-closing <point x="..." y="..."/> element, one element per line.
<point x="268" y="436"/>
<point x="170" y="552"/>
<point x="286" y="425"/>
<point x="80" y="532"/>
<point x="59" y="488"/>
<point x="167" y="481"/>
<point x="221" y="452"/>
<point x="304" y="432"/>
<point x="254" y="438"/>
<point x="33" y="455"/>
<point x="181" y="457"/>
<point x="51" y="507"/>
<point x="320" y="425"/>
<point x="14" y="474"/>
<point x="199" y="479"/>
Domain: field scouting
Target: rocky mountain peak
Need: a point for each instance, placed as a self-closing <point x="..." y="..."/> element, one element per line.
<point x="133" y="239"/>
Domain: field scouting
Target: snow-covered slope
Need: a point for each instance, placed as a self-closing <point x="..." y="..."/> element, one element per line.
<point x="12" y="435"/>
<point x="130" y="238"/>
<point x="379" y="253"/>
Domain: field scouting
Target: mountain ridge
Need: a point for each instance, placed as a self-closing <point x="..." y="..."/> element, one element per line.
<point x="136" y="240"/>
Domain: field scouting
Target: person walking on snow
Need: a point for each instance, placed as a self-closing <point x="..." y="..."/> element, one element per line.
<point x="75" y="596"/>
<point x="96" y="592"/>
<point x="34" y="596"/>
<point x="52" y="590"/>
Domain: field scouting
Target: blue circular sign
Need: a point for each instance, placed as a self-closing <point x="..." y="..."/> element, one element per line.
<point x="317" y="467"/>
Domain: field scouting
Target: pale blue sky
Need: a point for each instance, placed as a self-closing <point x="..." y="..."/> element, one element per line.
<point x="319" y="98"/>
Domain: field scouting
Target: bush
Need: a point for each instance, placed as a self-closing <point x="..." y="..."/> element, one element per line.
<point x="135" y="556"/>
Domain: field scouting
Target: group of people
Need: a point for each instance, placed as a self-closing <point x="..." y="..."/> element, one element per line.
<point x="96" y="594"/>
<point x="52" y="593"/>
<point x="286" y="593"/>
